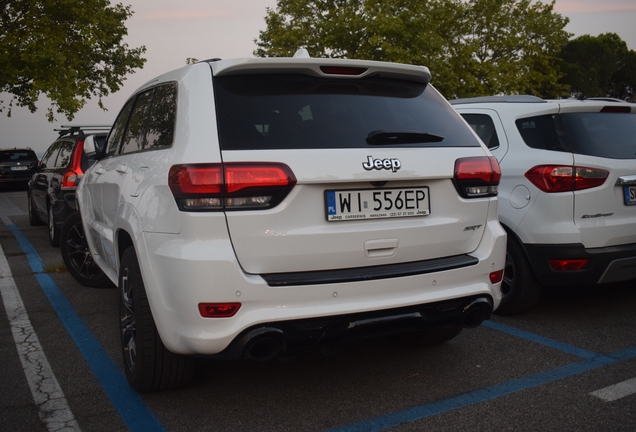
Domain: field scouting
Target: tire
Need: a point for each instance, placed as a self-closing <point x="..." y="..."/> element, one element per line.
<point x="149" y="366"/>
<point x="433" y="336"/>
<point x="54" y="232"/>
<point x="77" y="257"/>
<point x="34" y="220"/>
<point x="519" y="287"/>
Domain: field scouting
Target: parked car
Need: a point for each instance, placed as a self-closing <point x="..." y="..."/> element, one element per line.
<point x="252" y="207"/>
<point x="17" y="165"/>
<point x="567" y="193"/>
<point x="51" y="189"/>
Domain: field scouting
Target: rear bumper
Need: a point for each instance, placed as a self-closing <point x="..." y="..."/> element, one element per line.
<point x="263" y="342"/>
<point x="605" y="265"/>
<point x="180" y="274"/>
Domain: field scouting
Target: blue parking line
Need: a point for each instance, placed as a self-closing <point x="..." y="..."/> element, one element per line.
<point x="570" y="349"/>
<point x="592" y="361"/>
<point x="137" y="416"/>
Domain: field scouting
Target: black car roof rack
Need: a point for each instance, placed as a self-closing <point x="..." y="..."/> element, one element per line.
<point x="81" y="129"/>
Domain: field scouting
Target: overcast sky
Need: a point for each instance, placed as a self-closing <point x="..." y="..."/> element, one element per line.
<point x="175" y="30"/>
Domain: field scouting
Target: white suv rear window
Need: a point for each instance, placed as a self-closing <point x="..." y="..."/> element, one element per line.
<point x="296" y="111"/>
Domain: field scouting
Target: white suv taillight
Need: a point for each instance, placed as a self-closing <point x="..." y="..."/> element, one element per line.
<point x="230" y="186"/>
<point x="559" y="178"/>
<point x="477" y="177"/>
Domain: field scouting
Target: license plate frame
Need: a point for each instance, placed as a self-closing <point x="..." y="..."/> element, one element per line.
<point x="629" y="195"/>
<point x="365" y="204"/>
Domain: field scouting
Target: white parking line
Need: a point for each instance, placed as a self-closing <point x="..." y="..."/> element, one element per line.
<point x="48" y="396"/>
<point x="616" y="391"/>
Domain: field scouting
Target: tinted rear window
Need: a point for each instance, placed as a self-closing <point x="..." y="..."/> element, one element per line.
<point x="286" y="111"/>
<point x="17" y="156"/>
<point x="608" y="135"/>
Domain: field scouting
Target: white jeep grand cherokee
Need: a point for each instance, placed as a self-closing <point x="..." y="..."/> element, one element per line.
<point x="256" y="206"/>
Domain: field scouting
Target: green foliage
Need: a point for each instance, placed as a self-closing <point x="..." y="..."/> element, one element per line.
<point x="473" y="47"/>
<point x="599" y="66"/>
<point x="69" y="50"/>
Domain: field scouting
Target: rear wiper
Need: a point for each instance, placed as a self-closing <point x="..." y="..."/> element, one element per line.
<point x="382" y="137"/>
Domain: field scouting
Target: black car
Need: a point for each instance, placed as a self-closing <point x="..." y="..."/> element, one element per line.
<point x="17" y="165"/>
<point x="51" y="189"/>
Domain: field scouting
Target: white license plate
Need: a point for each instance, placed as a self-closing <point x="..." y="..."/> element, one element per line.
<point x="376" y="203"/>
<point x="18" y="168"/>
<point x="630" y="195"/>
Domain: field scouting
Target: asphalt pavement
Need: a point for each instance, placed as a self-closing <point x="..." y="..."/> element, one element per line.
<point x="567" y="365"/>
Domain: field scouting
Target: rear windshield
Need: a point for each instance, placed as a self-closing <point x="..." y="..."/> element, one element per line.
<point x="18" y="156"/>
<point x="288" y="111"/>
<point x="608" y="135"/>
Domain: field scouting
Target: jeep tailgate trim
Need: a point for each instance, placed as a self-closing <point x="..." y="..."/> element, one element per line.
<point x="369" y="273"/>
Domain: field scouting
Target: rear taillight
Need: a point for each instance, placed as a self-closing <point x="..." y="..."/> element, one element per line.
<point x="230" y="186"/>
<point x="74" y="172"/>
<point x="559" y="178"/>
<point x="476" y="177"/>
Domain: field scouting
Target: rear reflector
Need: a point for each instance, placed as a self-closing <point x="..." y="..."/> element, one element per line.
<point x="568" y="265"/>
<point x="218" y="310"/>
<point x="477" y="176"/>
<point x="496" y="277"/>
<point x="558" y="178"/>
<point x="230" y="186"/>
<point x="335" y="70"/>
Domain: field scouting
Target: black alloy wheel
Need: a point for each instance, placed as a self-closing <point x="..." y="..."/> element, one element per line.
<point x="148" y="364"/>
<point x="54" y="233"/>
<point x="77" y="257"/>
<point x="34" y="220"/>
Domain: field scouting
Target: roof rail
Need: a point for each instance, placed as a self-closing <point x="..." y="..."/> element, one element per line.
<point x="504" y="99"/>
<point x="81" y="129"/>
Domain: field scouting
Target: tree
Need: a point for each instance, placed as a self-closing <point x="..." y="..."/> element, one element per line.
<point x="473" y="47"/>
<point x="68" y="50"/>
<point x="599" y="66"/>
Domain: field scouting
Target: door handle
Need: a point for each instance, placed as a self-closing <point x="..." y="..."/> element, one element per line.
<point x="121" y="169"/>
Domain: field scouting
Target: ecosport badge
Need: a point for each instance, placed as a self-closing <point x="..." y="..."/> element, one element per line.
<point x="393" y="164"/>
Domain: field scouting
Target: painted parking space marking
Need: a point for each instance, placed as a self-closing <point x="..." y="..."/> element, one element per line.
<point x="139" y="418"/>
<point x="591" y="361"/>
<point x="131" y="408"/>
<point x="48" y="396"/>
<point x="616" y="391"/>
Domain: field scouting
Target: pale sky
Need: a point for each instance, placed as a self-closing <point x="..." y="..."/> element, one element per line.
<point x="175" y="30"/>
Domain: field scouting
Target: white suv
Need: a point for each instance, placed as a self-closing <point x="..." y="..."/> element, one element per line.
<point x="252" y="207"/>
<point x="567" y="193"/>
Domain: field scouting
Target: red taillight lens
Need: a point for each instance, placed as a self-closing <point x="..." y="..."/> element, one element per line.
<point x="568" y="265"/>
<point x="477" y="176"/>
<point x="230" y="186"/>
<point x="335" y="70"/>
<point x="558" y="178"/>
<point x="196" y="179"/>
<point x="74" y="173"/>
<point x="496" y="277"/>
<point x="218" y="310"/>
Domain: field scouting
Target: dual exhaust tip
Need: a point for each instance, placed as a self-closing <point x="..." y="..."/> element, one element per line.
<point x="267" y="343"/>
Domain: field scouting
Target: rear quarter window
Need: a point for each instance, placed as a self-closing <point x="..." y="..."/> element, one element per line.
<point x="603" y="134"/>
<point x="483" y="126"/>
<point x="288" y="111"/>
